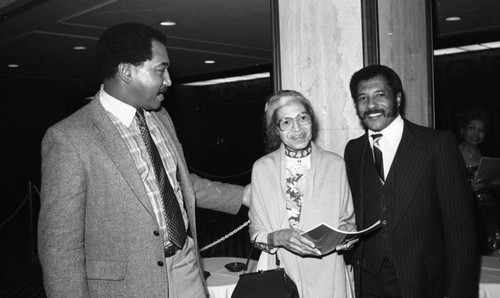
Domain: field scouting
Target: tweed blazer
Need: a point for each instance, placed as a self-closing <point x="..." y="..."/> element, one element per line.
<point x="433" y="229"/>
<point x="97" y="233"/>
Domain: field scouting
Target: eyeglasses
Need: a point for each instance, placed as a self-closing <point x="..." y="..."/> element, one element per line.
<point x="286" y="123"/>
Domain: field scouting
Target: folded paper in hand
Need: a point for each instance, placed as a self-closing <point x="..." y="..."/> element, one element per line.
<point x="327" y="238"/>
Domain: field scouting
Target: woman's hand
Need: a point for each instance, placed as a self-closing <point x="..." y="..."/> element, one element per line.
<point x="291" y="240"/>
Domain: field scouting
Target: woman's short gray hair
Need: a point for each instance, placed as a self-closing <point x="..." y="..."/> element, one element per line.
<point x="270" y="121"/>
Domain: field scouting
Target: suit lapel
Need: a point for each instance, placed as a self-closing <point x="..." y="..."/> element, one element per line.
<point x="182" y="170"/>
<point x="409" y="165"/>
<point x="118" y="152"/>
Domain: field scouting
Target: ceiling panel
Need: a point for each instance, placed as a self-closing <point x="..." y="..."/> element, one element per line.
<point x="480" y="22"/>
<point x="236" y="34"/>
<point x="40" y="35"/>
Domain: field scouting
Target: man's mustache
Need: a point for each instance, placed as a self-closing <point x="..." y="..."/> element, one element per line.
<point x="163" y="89"/>
<point x="373" y="111"/>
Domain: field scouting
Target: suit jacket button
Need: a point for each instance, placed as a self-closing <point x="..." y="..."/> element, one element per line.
<point x="156" y="233"/>
<point x="160" y="263"/>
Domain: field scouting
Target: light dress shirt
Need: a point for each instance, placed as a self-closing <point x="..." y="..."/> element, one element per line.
<point x="389" y="142"/>
<point x="123" y="116"/>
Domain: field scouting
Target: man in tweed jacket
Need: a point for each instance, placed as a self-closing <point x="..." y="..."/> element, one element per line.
<point x="101" y="226"/>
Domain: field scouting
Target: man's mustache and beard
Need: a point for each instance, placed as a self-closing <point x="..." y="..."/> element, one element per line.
<point x="392" y="112"/>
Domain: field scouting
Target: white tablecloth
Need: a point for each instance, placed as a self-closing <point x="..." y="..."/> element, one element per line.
<point x="221" y="282"/>
<point x="489" y="285"/>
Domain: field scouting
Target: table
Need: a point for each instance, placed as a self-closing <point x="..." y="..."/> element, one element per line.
<point x="221" y="282"/>
<point x="489" y="284"/>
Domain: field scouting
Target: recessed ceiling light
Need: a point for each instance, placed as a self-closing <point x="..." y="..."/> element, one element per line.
<point x="168" y="23"/>
<point x="209" y="61"/>
<point x="79" y="48"/>
<point x="12" y="65"/>
<point x="453" y="19"/>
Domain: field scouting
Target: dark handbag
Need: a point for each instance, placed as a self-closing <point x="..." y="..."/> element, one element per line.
<point x="274" y="283"/>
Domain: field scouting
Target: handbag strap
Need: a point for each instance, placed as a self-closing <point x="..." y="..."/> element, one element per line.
<point x="248" y="259"/>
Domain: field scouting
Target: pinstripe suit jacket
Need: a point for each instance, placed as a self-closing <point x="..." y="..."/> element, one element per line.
<point x="97" y="229"/>
<point x="433" y="229"/>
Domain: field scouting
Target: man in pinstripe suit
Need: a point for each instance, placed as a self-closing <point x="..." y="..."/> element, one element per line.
<point x="426" y="246"/>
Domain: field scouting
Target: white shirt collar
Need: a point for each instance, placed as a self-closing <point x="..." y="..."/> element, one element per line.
<point x="392" y="133"/>
<point x="124" y="112"/>
<point x="389" y="143"/>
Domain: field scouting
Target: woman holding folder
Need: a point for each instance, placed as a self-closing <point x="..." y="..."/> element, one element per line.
<point x="295" y="188"/>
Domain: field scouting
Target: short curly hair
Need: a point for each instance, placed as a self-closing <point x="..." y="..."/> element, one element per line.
<point x="270" y="122"/>
<point x="125" y="43"/>
<point x="371" y="71"/>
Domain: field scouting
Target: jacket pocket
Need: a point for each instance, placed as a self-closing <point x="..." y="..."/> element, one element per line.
<point x="106" y="269"/>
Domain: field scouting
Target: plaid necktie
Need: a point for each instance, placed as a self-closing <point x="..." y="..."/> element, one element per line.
<point x="173" y="216"/>
<point x="377" y="153"/>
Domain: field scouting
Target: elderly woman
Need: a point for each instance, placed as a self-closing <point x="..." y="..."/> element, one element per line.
<point x="295" y="188"/>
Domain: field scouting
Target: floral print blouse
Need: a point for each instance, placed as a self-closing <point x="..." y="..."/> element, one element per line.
<point x="298" y="163"/>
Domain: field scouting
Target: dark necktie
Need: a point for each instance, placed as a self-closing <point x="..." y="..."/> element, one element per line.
<point x="377" y="153"/>
<point x="173" y="216"/>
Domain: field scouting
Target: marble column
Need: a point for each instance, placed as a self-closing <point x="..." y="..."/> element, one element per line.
<point x="320" y="48"/>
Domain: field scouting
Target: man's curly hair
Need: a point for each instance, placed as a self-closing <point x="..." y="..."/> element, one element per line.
<point x="125" y="43"/>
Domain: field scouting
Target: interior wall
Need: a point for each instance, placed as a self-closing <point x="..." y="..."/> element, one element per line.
<point x="220" y="127"/>
<point x="320" y="49"/>
<point x="405" y="46"/>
